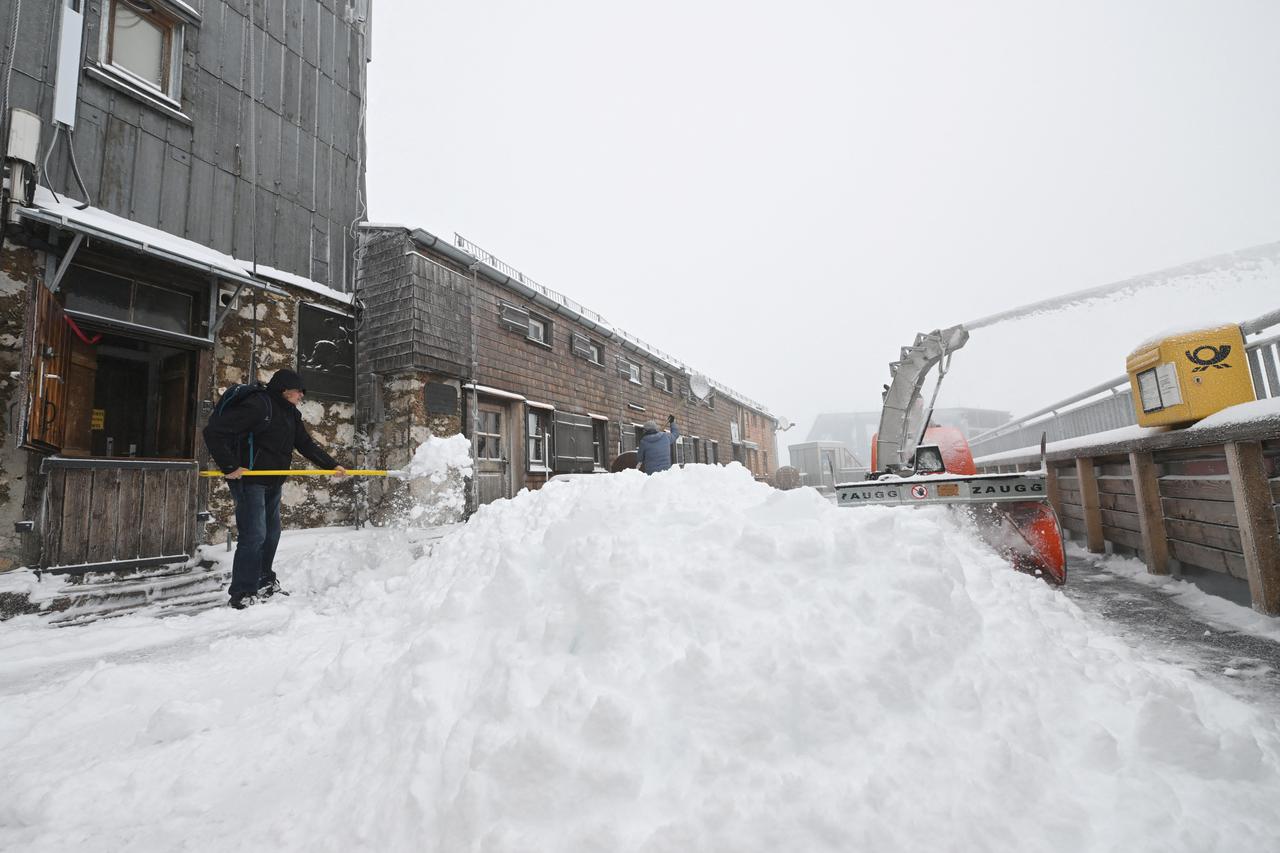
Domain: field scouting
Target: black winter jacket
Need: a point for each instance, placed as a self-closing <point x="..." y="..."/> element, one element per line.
<point x="261" y="432"/>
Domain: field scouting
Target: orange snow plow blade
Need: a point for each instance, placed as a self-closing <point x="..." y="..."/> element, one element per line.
<point x="1026" y="534"/>
<point x="1011" y="512"/>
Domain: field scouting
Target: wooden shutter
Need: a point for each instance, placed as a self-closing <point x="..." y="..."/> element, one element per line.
<point x="574" y="453"/>
<point x="47" y="388"/>
<point x="514" y="318"/>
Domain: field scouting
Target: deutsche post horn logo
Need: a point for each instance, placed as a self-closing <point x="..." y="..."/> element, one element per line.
<point x="1214" y="359"/>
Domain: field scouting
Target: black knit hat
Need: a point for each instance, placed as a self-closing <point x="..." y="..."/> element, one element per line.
<point x="285" y="380"/>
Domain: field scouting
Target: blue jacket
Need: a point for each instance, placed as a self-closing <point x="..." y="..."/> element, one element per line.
<point x="654" y="453"/>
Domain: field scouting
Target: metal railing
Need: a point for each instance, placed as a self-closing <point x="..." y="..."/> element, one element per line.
<point x="506" y="269"/>
<point x="1066" y="419"/>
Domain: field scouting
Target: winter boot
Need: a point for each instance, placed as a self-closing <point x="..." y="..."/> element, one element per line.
<point x="271" y="588"/>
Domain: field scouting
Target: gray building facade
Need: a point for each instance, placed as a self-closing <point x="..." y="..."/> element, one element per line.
<point x="183" y="179"/>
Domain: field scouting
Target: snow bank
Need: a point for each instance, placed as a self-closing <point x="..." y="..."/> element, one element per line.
<point x="690" y="661"/>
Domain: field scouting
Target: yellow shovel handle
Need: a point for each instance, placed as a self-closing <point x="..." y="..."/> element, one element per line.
<point x="301" y="472"/>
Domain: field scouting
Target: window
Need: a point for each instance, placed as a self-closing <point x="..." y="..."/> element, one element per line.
<point x="536" y="439"/>
<point x="598" y="428"/>
<point x="489" y="436"/>
<point x="584" y="347"/>
<point x="663" y="381"/>
<point x="143" y="45"/>
<point x="91" y="291"/>
<point x="630" y="438"/>
<point x="629" y="370"/>
<point x="539" y="330"/>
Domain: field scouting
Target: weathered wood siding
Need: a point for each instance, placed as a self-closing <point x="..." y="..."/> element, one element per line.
<point x="93" y="513"/>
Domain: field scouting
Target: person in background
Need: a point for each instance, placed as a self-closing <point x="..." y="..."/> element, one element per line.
<point x="654" y="453"/>
<point x="260" y="429"/>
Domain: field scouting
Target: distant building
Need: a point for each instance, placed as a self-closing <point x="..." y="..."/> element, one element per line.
<point x="823" y="464"/>
<point x="854" y="429"/>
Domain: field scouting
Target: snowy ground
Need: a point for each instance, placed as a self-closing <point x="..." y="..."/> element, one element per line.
<point x="686" y="662"/>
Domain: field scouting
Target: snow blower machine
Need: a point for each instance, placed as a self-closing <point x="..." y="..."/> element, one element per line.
<point x="915" y="463"/>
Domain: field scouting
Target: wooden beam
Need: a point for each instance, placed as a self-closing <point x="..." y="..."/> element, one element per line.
<point x="1155" y="539"/>
<point x="1092" y="505"/>
<point x="1051" y="488"/>
<point x="1256" y="517"/>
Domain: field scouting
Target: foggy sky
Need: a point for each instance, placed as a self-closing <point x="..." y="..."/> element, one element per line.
<point x="782" y="195"/>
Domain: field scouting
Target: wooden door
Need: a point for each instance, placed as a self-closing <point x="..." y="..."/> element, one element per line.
<point x="493" y="453"/>
<point x="82" y="373"/>
<point x="173" y="432"/>
<point x="46" y="389"/>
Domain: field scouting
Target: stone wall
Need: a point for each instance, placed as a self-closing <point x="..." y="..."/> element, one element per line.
<point x="305" y="501"/>
<point x="18" y="267"/>
<point x="392" y="440"/>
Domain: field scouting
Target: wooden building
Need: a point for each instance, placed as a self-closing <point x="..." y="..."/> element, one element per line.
<point x="183" y="182"/>
<point x="456" y="340"/>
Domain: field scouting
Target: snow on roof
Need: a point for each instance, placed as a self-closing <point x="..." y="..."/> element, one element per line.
<point x="94" y="219"/>
<point x="495" y="392"/>
<point x="298" y="281"/>
<point x="1182" y="330"/>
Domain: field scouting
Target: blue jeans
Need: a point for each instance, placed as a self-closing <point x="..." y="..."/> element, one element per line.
<point x="258" y="532"/>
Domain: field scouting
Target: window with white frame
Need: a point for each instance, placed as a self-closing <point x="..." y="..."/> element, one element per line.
<point x="142" y="44"/>
<point x="629" y="370"/>
<point x="540" y="330"/>
<point x="536" y="439"/>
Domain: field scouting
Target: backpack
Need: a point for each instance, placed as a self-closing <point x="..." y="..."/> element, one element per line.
<point x="238" y="394"/>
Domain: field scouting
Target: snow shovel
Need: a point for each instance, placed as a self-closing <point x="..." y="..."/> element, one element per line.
<point x="312" y="472"/>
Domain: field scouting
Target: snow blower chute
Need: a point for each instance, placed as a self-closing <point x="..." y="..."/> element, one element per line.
<point x="913" y="463"/>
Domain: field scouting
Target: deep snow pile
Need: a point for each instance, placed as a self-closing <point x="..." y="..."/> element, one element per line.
<point x="690" y="661"/>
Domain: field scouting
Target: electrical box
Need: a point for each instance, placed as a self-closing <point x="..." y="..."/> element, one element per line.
<point x="1182" y="378"/>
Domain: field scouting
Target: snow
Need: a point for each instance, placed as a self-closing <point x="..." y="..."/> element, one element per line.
<point x="1184" y="329"/>
<point x="1256" y="411"/>
<point x="689" y="661"/>
<point x="1110" y="436"/>
<point x="298" y="281"/>
<point x="97" y="219"/>
<point x="1218" y="611"/>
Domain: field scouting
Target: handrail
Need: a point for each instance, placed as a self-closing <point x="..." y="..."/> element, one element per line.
<point x="1118" y="385"/>
<point x="555" y="296"/>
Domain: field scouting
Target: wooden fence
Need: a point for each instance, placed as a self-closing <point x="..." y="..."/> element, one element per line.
<point x="1204" y="499"/>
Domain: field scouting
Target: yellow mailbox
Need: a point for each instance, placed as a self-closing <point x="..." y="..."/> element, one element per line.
<point x="1188" y="376"/>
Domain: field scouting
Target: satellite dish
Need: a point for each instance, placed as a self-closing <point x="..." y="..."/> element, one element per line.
<point x="699" y="386"/>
